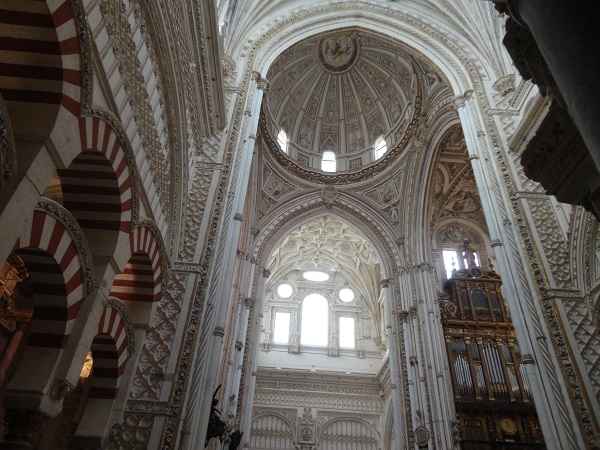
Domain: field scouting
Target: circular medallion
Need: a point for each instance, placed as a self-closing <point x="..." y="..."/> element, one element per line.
<point x="337" y="53"/>
<point x="508" y="425"/>
<point x="421" y="436"/>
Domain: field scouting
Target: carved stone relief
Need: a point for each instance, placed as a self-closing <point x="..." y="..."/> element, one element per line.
<point x="119" y="29"/>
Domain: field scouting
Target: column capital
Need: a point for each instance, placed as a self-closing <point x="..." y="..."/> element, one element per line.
<point x="461" y="100"/>
<point x="261" y="83"/>
<point x="385" y="283"/>
<point x="403" y="316"/>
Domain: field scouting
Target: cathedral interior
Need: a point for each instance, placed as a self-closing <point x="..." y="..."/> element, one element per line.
<point x="299" y="224"/>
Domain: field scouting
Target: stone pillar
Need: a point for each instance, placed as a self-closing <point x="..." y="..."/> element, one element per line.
<point x="203" y="376"/>
<point x="246" y="426"/>
<point x="551" y="395"/>
<point x="433" y="368"/>
<point x="391" y="331"/>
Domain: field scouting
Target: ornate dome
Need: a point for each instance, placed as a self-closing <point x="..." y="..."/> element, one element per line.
<point x="340" y="92"/>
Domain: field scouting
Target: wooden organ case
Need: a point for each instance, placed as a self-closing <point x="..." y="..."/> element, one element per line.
<point x="491" y="392"/>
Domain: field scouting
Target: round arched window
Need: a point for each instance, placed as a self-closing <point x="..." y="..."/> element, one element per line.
<point x="380" y="147"/>
<point x="282" y="140"/>
<point x="315" y="318"/>
<point x="328" y="162"/>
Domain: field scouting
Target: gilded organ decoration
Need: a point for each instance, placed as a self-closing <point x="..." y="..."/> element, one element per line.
<point x="492" y="393"/>
<point x="16" y="308"/>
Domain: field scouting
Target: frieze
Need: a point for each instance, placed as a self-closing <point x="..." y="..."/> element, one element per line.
<point x="157" y="348"/>
<point x="149" y="407"/>
<point x="552" y="241"/>
<point x="186" y="267"/>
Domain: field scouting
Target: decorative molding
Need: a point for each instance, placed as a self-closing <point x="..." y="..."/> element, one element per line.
<point x="187" y="267"/>
<point x="122" y="310"/>
<point x="461" y="100"/>
<point x="57" y="211"/>
<point x="60" y="389"/>
<point x="149" y="407"/>
<point x="124" y="48"/>
<point x="219" y="331"/>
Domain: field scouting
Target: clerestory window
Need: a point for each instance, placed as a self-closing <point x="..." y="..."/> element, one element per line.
<point x="346" y="330"/>
<point x="281" y="333"/>
<point x="328" y="162"/>
<point x="380" y="147"/>
<point x="282" y="140"/>
<point x="454" y="260"/>
<point x="315" y="319"/>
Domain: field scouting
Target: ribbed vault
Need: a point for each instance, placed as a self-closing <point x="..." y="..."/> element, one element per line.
<point x="330" y="245"/>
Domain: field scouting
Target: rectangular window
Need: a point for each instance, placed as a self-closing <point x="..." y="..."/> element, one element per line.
<point x="281" y="334"/>
<point x="347" y="332"/>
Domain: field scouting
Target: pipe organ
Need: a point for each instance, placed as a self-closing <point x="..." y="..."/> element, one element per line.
<point x="491" y="391"/>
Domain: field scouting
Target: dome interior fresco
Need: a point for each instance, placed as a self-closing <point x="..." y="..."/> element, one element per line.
<point x="340" y="92"/>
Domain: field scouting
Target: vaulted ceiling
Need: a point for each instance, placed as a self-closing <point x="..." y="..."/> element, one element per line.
<point x="330" y="245"/>
<point x="340" y="91"/>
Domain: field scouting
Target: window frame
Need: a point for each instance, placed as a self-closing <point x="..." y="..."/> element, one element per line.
<point x="301" y="318"/>
<point x="333" y="162"/>
<point x="377" y="146"/>
<point x="284" y="144"/>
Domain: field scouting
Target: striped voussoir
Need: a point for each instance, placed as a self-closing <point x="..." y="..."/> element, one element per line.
<point x="40" y="54"/>
<point x="109" y="351"/>
<point x="141" y="279"/>
<point x="58" y="280"/>
<point x="97" y="186"/>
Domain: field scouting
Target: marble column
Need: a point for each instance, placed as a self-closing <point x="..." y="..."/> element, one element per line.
<point x="391" y="331"/>
<point x="203" y="377"/>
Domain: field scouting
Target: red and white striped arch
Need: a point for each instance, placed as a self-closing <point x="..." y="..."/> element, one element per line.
<point x="110" y="354"/>
<point x="97" y="185"/>
<point x="52" y="259"/>
<point x="40" y="61"/>
<point x="142" y="277"/>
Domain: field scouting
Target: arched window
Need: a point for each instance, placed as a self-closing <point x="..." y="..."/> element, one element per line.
<point x="315" y="312"/>
<point x="454" y="260"/>
<point x="380" y="147"/>
<point x="282" y="140"/>
<point x="328" y="162"/>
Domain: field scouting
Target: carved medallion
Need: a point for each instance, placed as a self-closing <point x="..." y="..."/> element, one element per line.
<point x="338" y="53"/>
